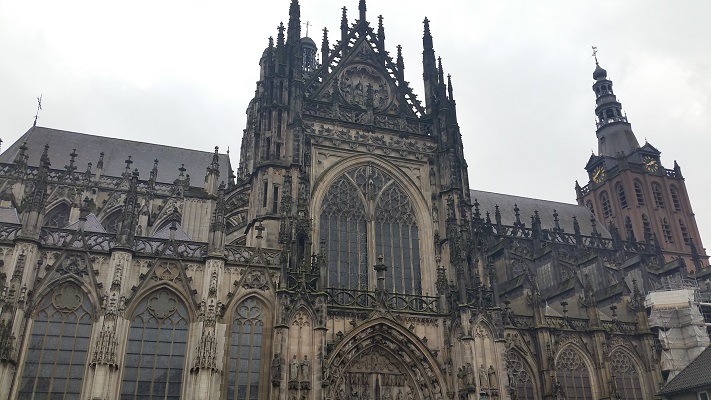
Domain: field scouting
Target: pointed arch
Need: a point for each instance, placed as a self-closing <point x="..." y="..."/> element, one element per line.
<point x="627" y="372"/>
<point x="248" y="346"/>
<point x="575" y="373"/>
<point x="520" y="369"/>
<point x="49" y="287"/>
<point x="58" y="345"/>
<point x="112" y="221"/>
<point x="58" y="215"/>
<point x="368" y="207"/>
<point x="154" y="363"/>
<point x="166" y="274"/>
<point x="383" y="353"/>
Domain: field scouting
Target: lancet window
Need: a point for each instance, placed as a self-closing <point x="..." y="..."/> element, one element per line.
<point x="363" y="206"/>
<point x="628" y="382"/>
<point x="573" y="375"/>
<point x="684" y="232"/>
<point x="520" y="376"/>
<point x="621" y="195"/>
<point x="155" y="353"/>
<point x="658" y="198"/>
<point x="639" y="193"/>
<point x="606" y="206"/>
<point x="112" y="222"/>
<point x="675" y="198"/>
<point x="59" y="342"/>
<point x="246" y="351"/>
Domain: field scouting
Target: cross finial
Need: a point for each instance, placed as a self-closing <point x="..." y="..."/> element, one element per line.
<point x="39" y="107"/>
<point x="594" y="54"/>
<point x="308" y="23"/>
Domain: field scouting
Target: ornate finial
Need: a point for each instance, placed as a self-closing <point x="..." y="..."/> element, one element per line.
<point x="450" y="91"/>
<point x="362" y="8"/>
<point x="344" y="18"/>
<point x="307" y="24"/>
<point x="39" y="108"/>
<point x="594" y="54"/>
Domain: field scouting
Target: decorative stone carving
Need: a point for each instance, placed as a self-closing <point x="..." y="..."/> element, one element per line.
<point x="162" y="304"/>
<point x="255" y="280"/>
<point x="67" y="297"/>
<point x="361" y="85"/>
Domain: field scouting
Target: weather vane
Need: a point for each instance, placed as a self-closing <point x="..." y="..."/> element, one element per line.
<point x="594" y="54"/>
<point x="39" y="107"/>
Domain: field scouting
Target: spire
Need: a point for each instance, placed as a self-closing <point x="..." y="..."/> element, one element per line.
<point x="614" y="132"/>
<point x="324" y="46"/>
<point x="362" y="8"/>
<point x="429" y="67"/>
<point x="450" y="91"/>
<point x="280" y="35"/>
<point x="400" y="66"/>
<point x="381" y="34"/>
<point x="344" y="25"/>
<point x="294" y="32"/>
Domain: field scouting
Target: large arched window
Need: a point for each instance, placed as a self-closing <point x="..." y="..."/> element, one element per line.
<point x="246" y="351"/>
<point x="155" y="353"/>
<point x="58" y="217"/>
<point x="58" y="347"/>
<point x="573" y="375"/>
<point x="675" y="198"/>
<point x="366" y="205"/>
<point x="666" y="230"/>
<point x="628" y="382"/>
<point x="520" y="376"/>
<point x="684" y="232"/>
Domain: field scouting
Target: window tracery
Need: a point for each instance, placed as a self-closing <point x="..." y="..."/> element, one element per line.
<point x="365" y="205"/>
<point x="628" y="381"/>
<point x="58" y="346"/>
<point x="155" y="352"/>
<point x="58" y="217"/>
<point x="245" y="351"/>
<point x="112" y="222"/>
<point x="520" y="376"/>
<point x="573" y="375"/>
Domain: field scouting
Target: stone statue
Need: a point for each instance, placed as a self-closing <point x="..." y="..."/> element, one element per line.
<point x="493" y="380"/>
<point x="354" y="394"/>
<point x="483" y="377"/>
<point x="306" y="369"/>
<point x="462" y="377"/>
<point x="470" y="374"/>
<point x="294" y="369"/>
<point x="276" y="367"/>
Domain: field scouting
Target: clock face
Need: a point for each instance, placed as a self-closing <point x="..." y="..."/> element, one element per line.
<point x="598" y="174"/>
<point x="650" y="164"/>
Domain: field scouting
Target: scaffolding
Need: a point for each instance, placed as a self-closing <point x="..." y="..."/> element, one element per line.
<point x="675" y="313"/>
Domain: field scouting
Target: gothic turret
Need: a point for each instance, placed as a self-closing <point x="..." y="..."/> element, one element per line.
<point x="614" y="132"/>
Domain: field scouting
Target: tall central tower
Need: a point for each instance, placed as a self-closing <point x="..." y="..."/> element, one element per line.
<point x="630" y="189"/>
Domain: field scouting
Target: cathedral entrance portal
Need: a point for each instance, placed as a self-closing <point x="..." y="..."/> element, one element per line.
<point x="383" y="363"/>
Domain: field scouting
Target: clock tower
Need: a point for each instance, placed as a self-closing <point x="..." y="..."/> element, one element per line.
<point x="631" y="191"/>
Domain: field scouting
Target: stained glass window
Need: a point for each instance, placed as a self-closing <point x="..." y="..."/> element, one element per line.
<point x="343" y="230"/>
<point x="245" y="351"/>
<point x="59" y="342"/>
<point x="573" y="375"/>
<point x="520" y="376"/>
<point x="628" y="382"/>
<point x="363" y="206"/>
<point x="155" y="353"/>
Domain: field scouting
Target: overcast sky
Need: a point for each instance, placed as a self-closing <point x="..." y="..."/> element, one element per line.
<point x="182" y="72"/>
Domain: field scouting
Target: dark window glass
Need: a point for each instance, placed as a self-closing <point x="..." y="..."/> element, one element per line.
<point x="245" y="352"/>
<point x="621" y="195"/>
<point x="647" y="227"/>
<point x="520" y="376"/>
<point x="639" y="193"/>
<point x="628" y="382"/>
<point x="605" y="203"/>
<point x="657" y="193"/>
<point x="684" y="233"/>
<point x="59" y="342"/>
<point x="58" y="217"/>
<point x="666" y="229"/>
<point x="573" y="375"/>
<point x="675" y="198"/>
<point x="155" y="353"/>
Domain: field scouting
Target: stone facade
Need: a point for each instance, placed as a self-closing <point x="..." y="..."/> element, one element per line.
<point x="345" y="258"/>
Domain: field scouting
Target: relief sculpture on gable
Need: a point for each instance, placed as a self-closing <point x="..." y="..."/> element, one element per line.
<point x="357" y="80"/>
<point x="376" y="374"/>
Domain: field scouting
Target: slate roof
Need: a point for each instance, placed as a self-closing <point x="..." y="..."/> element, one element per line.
<point x="527" y="206"/>
<point x="695" y="375"/>
<point x="92" y="224"/>
<point x="164" y="233"/>
<point x="9" y="215"/>
<point x="116" y="151"/>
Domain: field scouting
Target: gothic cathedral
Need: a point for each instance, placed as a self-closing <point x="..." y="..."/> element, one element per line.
<point x="345" y="257"/>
